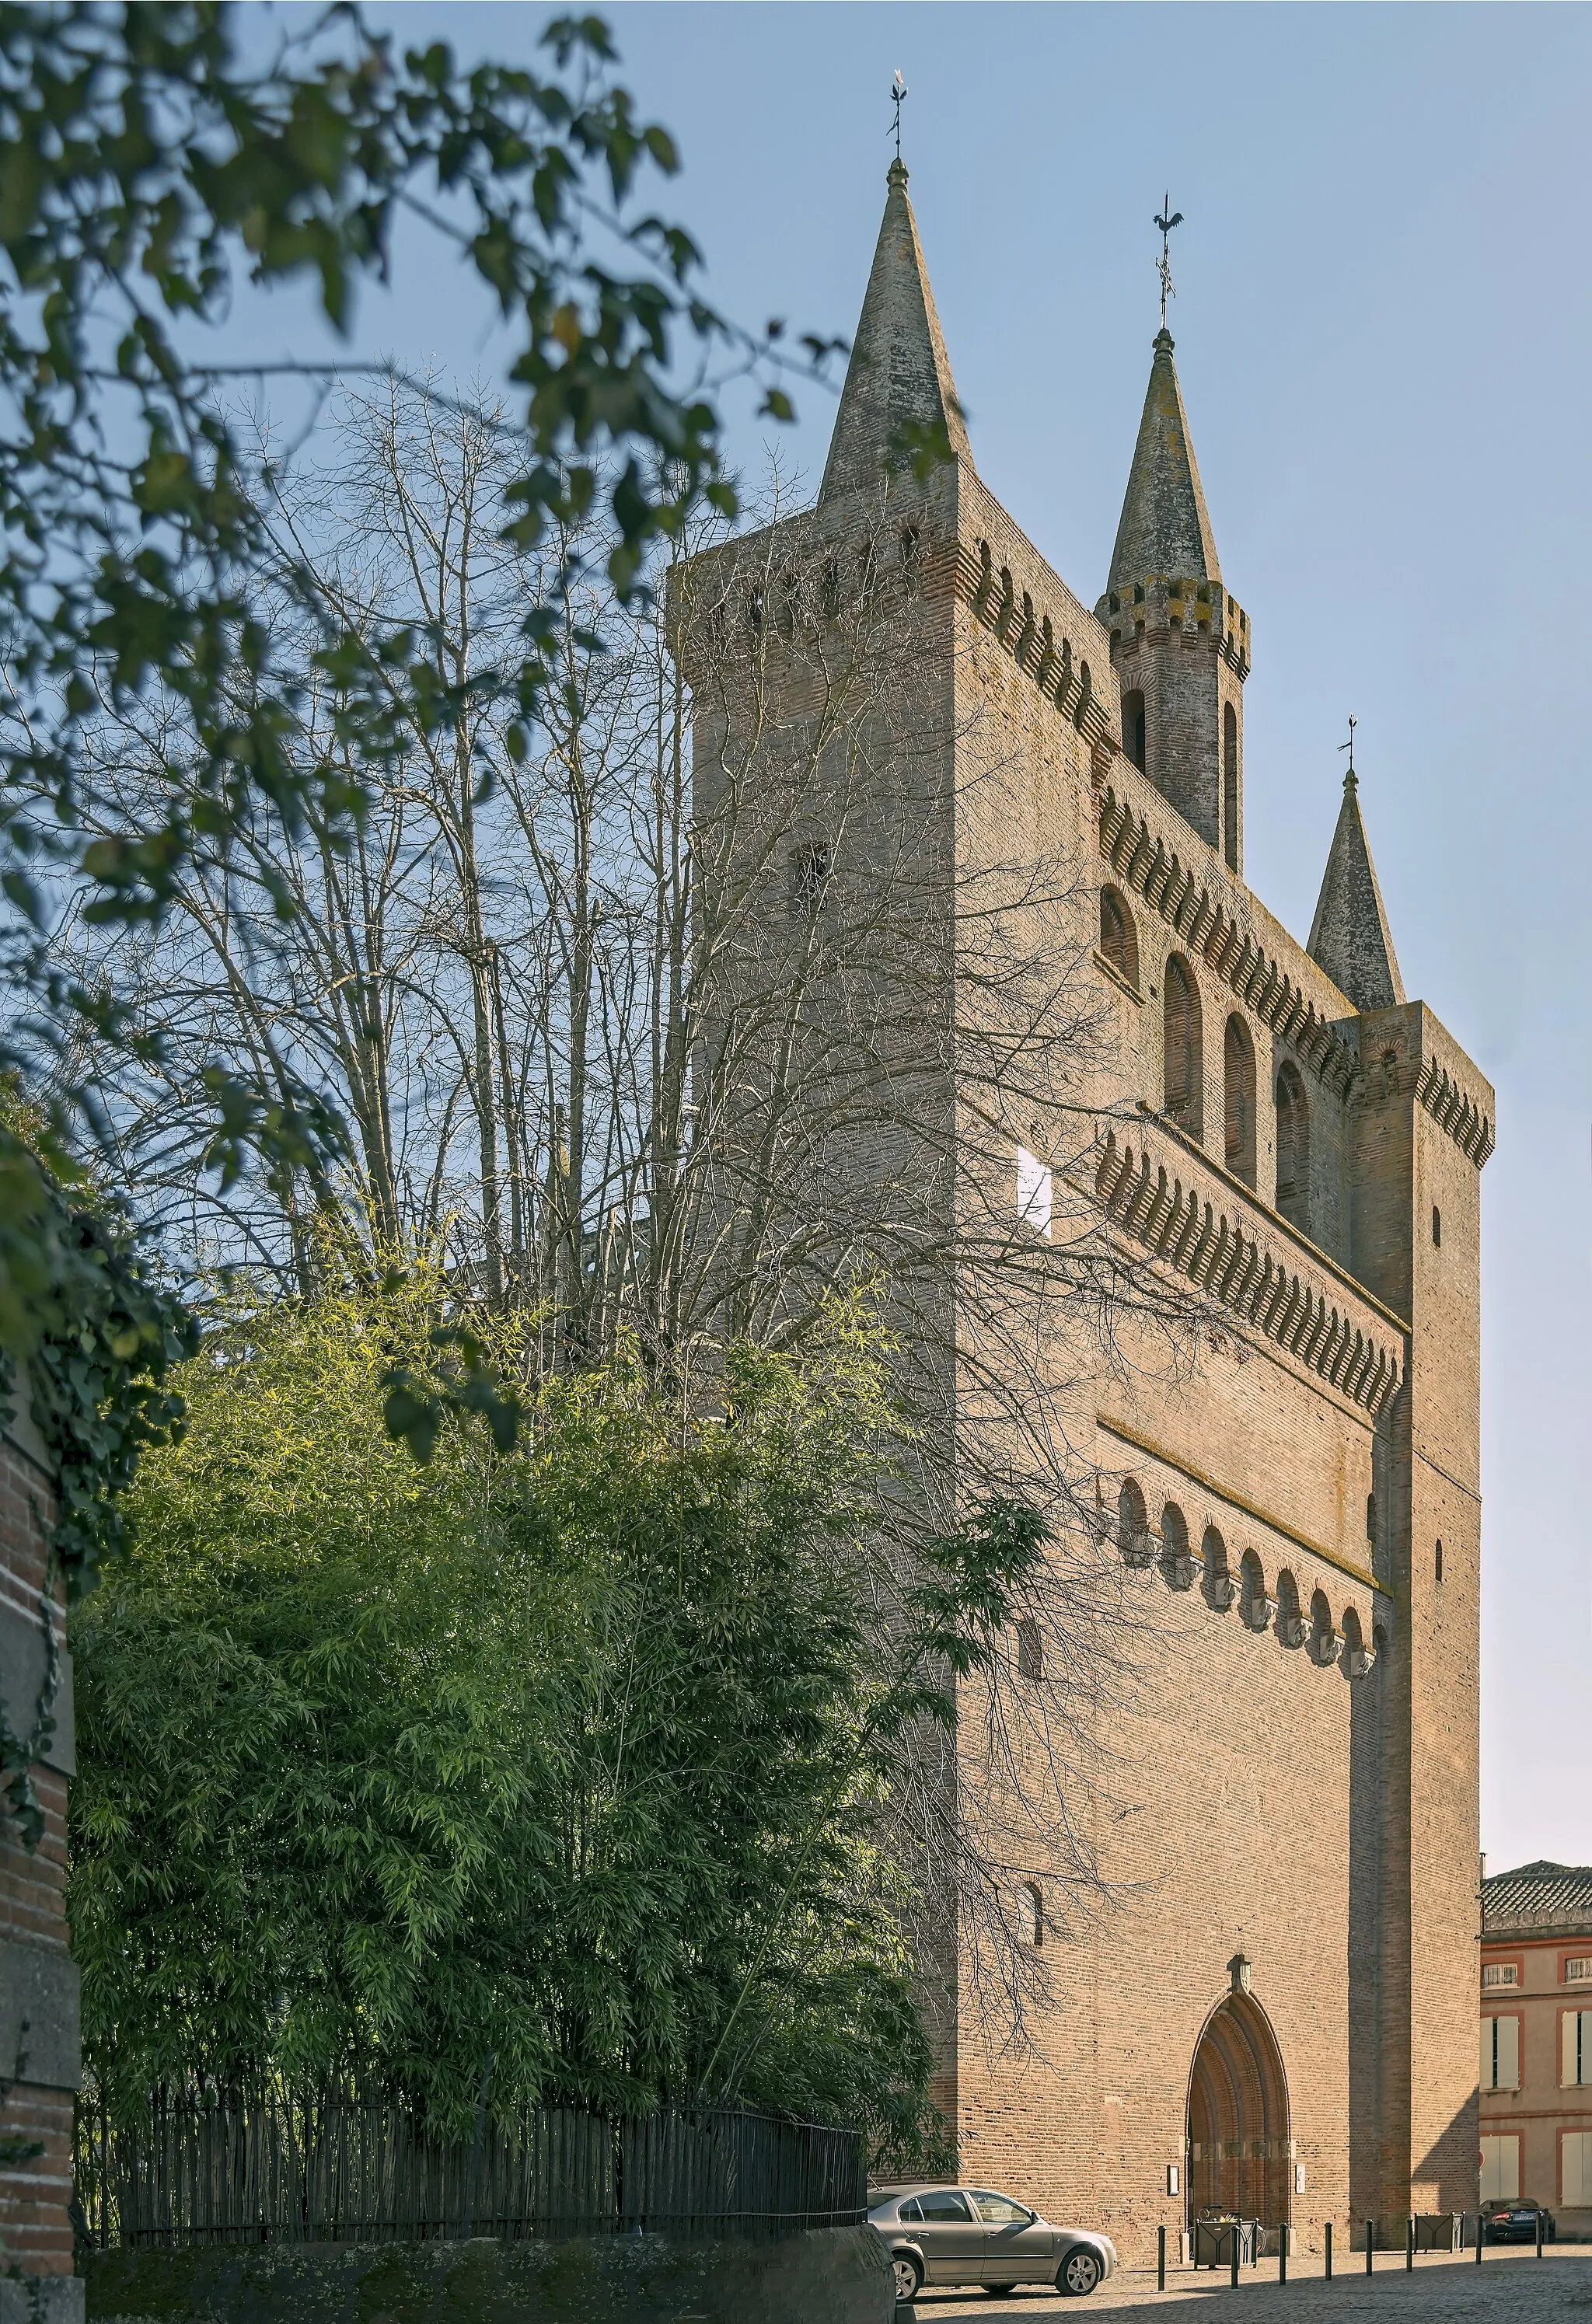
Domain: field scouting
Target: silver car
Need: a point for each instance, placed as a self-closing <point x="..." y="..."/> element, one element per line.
<point x="938" y="2233"/>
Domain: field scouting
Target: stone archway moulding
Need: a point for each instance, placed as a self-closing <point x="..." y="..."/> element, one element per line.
<point x="1238" y="2117"/>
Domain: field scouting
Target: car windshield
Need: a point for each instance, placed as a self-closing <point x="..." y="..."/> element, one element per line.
<point x="999" y="2210"/>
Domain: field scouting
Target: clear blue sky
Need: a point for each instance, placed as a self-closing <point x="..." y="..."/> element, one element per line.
<point x="1384" y="336"/>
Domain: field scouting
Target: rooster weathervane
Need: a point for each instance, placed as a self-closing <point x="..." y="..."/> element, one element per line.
<point x="1168" y="219"/>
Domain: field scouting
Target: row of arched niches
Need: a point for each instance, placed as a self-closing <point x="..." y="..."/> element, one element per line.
<point x="1274" y="1603"/>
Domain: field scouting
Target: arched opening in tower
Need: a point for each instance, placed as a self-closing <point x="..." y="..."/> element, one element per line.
<point x="1240" y="2158"/>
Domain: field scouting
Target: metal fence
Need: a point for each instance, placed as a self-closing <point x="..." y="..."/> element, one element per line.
<point x="340" y="2167"/>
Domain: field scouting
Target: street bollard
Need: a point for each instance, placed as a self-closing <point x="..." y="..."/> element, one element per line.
<point x="1234" y="2232"/>
<point x="1328" y="2251"/>
<point x="1480" y="2229"/>
<point x="1370" y="2242"/>
<point x="1160" y="2259"/>
<point x="1539" y="2235"/>
<point x="1283" y="2254"/>
<point x="1410" y="2247"/>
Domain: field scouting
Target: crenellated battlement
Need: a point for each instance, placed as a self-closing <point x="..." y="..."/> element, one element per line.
<point x="1163" y="606"/>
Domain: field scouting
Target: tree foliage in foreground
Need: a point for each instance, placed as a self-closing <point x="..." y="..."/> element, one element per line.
<point x="569" y="1768"/>
<point x="152" y="160"/>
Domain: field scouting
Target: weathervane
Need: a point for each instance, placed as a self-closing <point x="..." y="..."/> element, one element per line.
<point x="898" y="90"/>
<point x="1351" y="777"/>
<point x="1166" y="225"/>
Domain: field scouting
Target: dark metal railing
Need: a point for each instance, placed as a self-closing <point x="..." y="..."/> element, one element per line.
<point x="337" y="2166"/>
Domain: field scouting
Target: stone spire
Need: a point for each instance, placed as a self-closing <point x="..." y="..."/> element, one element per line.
<point x="899" y="370"/>
<point x="1179" y="642"/>
<point x="1349" y="935"/>
<point x="1165" y="526"/>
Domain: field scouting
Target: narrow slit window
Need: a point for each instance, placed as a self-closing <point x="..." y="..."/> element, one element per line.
<point x="1238" y="1069"/>
<point x="1293" y="1148"/>
<point x="1133" y="1523"/>
<point x="810" y="875"/>
<point x="1117" y="941"/>
<point x="1134" y="729"/>
<point x="1180" y="1044"/>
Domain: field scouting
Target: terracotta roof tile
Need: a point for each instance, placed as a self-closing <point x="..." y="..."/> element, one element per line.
<point x="1538" y="1894"/>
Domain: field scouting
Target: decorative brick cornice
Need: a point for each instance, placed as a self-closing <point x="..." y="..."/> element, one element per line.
<point x="1454" y="1112"/>
<point x="1268" y="1288"/>
<point x="1142" y="861"/>
<point x="1062" y="675"/>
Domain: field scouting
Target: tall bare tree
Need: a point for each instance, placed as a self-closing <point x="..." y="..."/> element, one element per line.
<point x="669" y="1005"/>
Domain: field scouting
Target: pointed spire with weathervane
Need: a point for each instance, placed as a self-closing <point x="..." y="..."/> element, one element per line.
<point x="899" y="375"/>
<point x="1349" y="935"/>
<point x="1179" y="642"/>
<point x="1165" y="526"/>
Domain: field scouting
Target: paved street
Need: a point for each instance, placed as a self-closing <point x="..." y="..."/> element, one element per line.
<point x="1505" y="2289"/>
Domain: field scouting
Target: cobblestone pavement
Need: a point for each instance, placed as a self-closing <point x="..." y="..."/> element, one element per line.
<point x="1504" y="2290"/>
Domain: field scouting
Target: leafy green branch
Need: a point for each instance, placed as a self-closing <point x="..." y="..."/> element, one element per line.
<point x="149" y="166"/>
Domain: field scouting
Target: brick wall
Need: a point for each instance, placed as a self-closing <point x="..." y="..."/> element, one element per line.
<point x="38" y="1982"/>
<point x="1314" y="1814"/>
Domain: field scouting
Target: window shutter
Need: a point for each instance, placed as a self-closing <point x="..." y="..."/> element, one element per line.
<point x="1489" y="2079"/>
<point x="1577" y="2167"/>
<point x="1508" y="2053"/>
<point x="1500" y="2170"/>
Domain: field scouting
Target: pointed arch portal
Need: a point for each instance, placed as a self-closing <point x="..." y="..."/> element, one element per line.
<point x="1240" y="2151"/>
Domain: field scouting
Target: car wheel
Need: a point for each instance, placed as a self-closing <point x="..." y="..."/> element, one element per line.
<point x="1079" y="2273"/>
<point x="908" y="2276"/>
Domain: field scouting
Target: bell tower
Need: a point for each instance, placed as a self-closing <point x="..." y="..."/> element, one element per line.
<point x="1179" y="642"/>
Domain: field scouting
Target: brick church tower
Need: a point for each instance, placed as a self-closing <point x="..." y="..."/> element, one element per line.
<point x="1269" y="2004"/>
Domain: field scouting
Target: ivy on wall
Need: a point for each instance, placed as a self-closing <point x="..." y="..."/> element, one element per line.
<point x="96" y="1382"/>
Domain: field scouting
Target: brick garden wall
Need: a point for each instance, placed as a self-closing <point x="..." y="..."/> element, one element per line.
<point x="38" y="1982"/>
